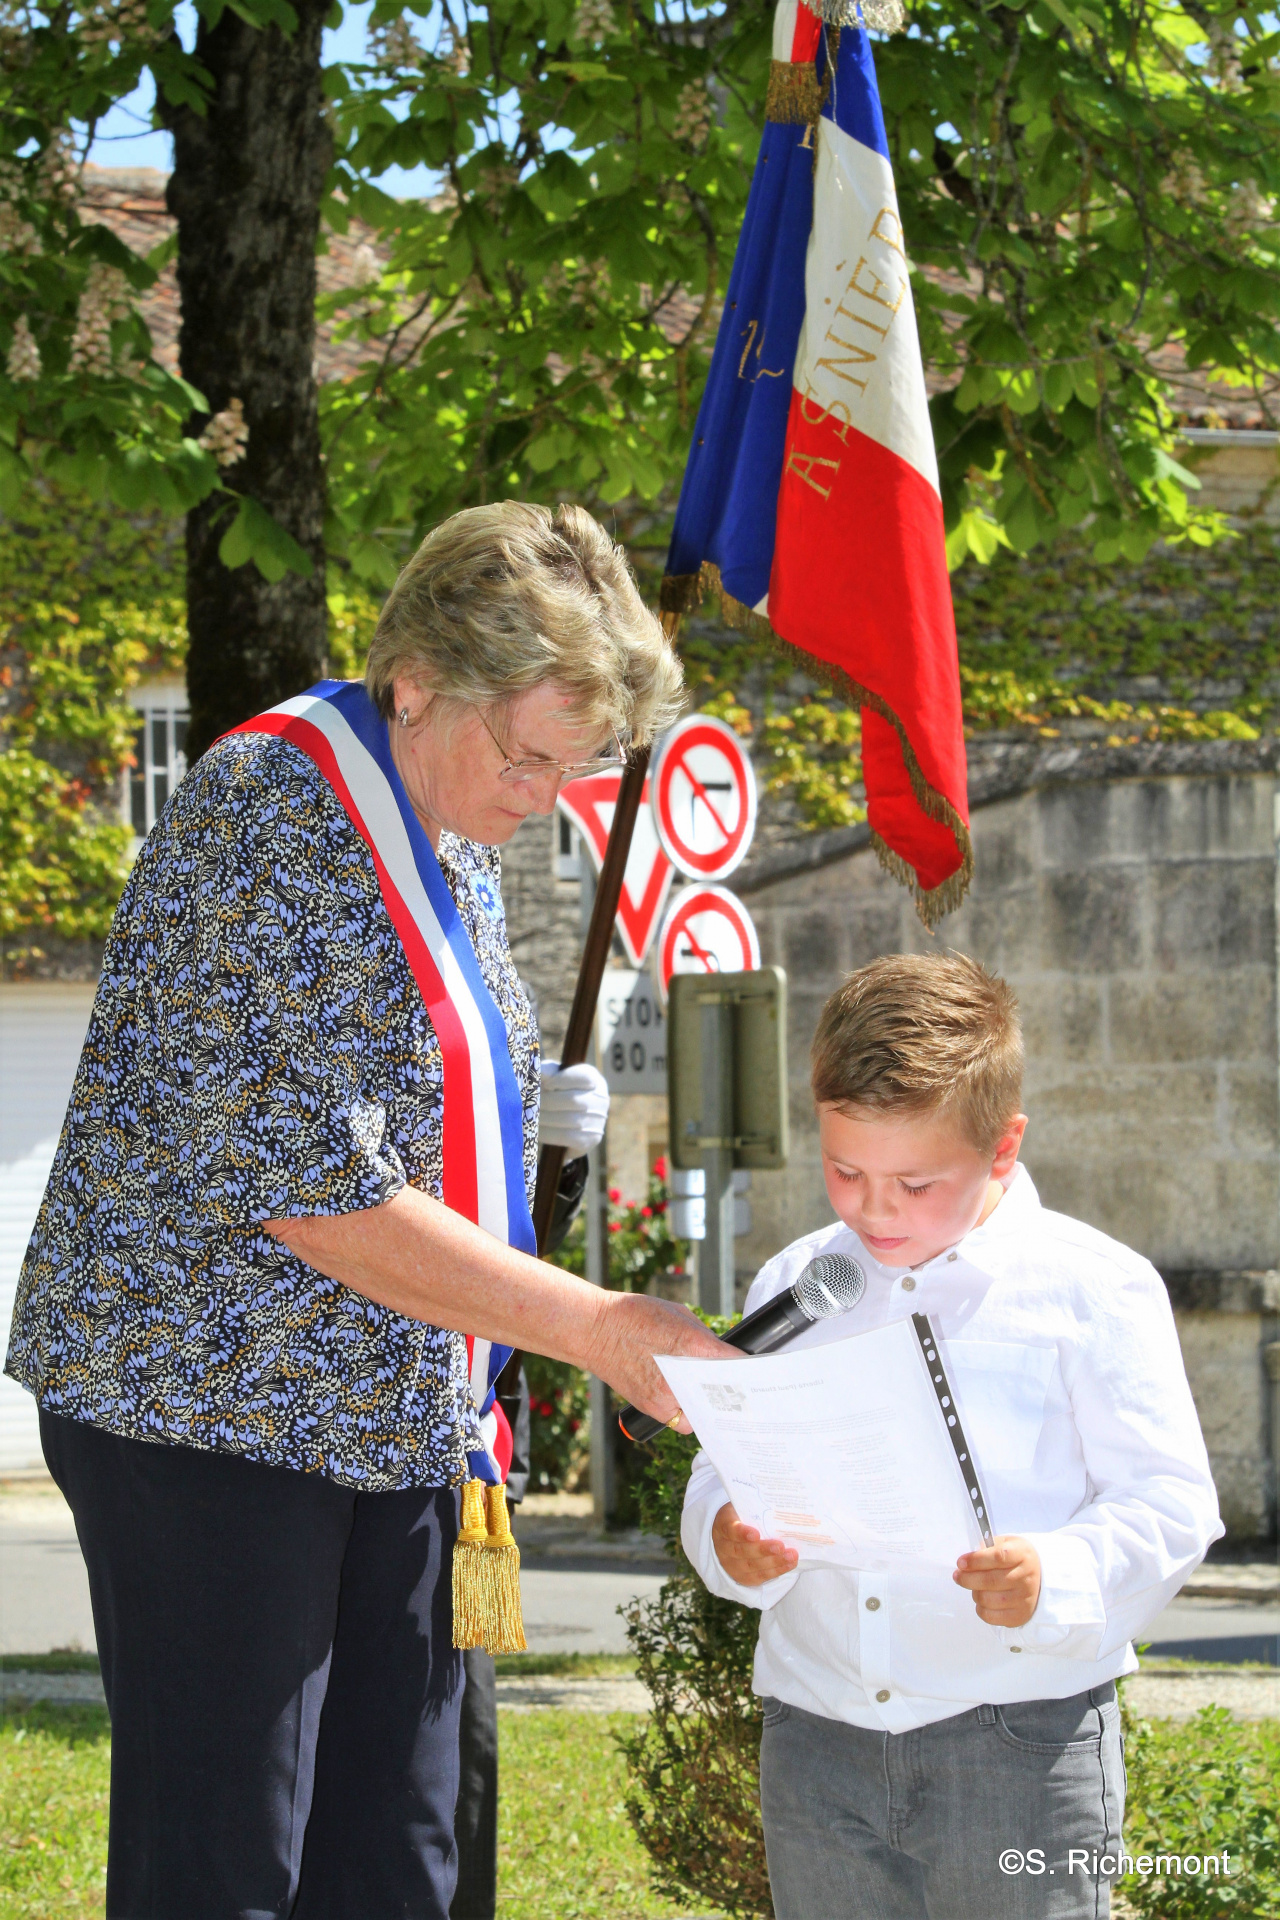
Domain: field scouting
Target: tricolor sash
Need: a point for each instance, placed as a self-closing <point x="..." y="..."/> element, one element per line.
<point x="338" y="727"/>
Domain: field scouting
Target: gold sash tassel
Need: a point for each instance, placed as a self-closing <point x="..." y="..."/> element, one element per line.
<point x="505" y="1622"/>
<point x="486" y="1574"/>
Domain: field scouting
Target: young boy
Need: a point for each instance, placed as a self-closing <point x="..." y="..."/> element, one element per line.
<point x="942" y="1746"/>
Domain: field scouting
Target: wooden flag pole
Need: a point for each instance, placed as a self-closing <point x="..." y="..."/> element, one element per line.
<point x="586" y="993"/>
<point x="595" y="955"/>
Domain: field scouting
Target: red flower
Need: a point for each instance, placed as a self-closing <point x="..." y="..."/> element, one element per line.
<point x="660" y="1167"/>
<point x="646" y="1213"/>
<point x="615" y="1194"/>
<point x="615" y="1226"/>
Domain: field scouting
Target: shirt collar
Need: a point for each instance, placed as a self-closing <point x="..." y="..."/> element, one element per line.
<point x="1012" y="1216"/>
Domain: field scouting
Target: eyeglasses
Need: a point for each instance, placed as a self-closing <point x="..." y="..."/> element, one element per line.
<point x="519" y="772"/>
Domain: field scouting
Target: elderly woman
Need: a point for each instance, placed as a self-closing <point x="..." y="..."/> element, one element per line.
<point x="288" y="1211"/>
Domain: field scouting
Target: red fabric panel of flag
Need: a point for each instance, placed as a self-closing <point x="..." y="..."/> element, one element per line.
<point x="810" y="500"/>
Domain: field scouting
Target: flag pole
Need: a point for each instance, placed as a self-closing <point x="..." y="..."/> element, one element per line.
<point x="595" y="954"/>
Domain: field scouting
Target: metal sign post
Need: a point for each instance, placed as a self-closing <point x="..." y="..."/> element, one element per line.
<point x="726" y="1099"/>
<point x="716" y="1268"/>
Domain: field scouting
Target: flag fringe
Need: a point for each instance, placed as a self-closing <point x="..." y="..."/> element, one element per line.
<point x="794" y="98"/>
<point x="684" y="592"/>
<point x="881" y="16"/>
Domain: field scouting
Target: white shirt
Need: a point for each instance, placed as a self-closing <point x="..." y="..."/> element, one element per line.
<point x="1065" y="1362"/>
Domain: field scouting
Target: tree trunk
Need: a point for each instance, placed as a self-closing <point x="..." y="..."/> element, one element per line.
<point x="245" y="191"/>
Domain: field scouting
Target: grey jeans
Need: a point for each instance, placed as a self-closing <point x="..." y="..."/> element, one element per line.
<point x="1003" y="1812"/>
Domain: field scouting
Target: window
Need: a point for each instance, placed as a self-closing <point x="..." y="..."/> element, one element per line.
<point x="159" y="756"/>
<point x="568" y="850"/>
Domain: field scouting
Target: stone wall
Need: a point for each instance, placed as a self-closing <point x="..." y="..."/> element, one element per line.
<point x="543" y="920"/>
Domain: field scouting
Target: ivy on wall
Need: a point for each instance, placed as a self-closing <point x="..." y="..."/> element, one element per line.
<point x="89" y="600"/>
<point x="91" y="603"/>
<point x="1184" y="645"/>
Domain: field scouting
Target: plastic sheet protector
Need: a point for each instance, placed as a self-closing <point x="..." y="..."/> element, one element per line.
<point x="852" y="1452"/>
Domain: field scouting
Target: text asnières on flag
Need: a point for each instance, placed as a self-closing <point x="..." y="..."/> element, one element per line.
<point x="810" y="500"/>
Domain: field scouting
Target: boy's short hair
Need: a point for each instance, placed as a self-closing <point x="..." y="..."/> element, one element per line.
<point x="923" y="1033"/>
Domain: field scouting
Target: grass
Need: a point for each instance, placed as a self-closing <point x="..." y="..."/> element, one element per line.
<point x="566" y="1666"/>
<point x="567" y="1849"/>
<point x="54" y="1773"/>
<point x="61" y="1660"/>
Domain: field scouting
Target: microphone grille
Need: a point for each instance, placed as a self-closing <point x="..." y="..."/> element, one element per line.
<point x="830" y="1284"/>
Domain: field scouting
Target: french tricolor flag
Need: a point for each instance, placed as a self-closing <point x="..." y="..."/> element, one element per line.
<point x="810" y="500"/>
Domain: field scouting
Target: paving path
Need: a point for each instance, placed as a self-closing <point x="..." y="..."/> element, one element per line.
<point x="574" y="1582"/>
<point x="1155" y="1695"/>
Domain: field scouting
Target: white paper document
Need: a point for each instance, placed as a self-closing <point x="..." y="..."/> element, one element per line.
<point x="839" y="1450"/>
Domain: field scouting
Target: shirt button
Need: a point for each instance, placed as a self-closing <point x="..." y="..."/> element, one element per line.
<point x="953" y="1256"/>
<point x="908" y="1285"/>
<point x="872" y="1604"/>
<point x="883" y="1694"/>
<point x="1015" y="1649"/>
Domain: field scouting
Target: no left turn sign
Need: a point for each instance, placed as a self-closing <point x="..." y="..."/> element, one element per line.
<point x="706" y="930"/>
<point x="703" y="794"/>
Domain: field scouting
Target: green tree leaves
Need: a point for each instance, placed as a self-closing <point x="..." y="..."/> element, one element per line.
<point x="254" y="535"/>
<point x="1088" y="193"/>
<point x="1091" y="191"/>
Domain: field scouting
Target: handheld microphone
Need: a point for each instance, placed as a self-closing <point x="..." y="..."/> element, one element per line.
<point x="830" y="1284"/>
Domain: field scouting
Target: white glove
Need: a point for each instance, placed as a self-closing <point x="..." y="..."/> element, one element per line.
<point x="575" y="1106"/>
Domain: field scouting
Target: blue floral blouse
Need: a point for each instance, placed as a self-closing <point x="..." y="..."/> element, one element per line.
<point x="258" y="1048"/>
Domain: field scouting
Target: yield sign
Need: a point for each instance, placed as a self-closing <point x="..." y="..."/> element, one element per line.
<point x="590" y="804"/>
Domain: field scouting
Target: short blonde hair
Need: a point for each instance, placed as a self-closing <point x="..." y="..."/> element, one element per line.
<point x="923" y="1033"/>
<point x="503" y="598"/>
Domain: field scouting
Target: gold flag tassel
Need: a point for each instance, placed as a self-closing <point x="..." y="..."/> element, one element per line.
<point x="486" y="1574"/>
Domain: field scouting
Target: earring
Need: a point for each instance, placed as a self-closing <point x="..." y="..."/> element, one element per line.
<point x="404" y="716"/>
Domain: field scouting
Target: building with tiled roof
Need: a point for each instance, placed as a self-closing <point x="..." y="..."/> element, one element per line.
<point x="131" y="202"/>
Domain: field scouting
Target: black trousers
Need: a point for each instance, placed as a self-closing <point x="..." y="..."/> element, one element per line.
<point x="277" y="1653"/>
<point x="476" y="1817"/>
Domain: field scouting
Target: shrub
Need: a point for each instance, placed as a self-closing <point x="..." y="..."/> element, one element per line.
<point x="643" y="1253"/>
<point x="1197" y="1789"/>
<point x="694" y="1765"/>
<point x="559" y="1408"/>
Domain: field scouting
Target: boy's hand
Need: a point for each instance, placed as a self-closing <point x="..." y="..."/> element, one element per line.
<point x="1004" y="1580"/>
<point x="744" y="1556"/>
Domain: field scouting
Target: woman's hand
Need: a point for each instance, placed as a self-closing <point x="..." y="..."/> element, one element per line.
<point x="418" y="1257"/>
<point x="745" y="1556"/>
<point x="633" y="1328"/>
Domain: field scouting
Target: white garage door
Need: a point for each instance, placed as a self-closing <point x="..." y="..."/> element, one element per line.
<point x="42" y="1030"/>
